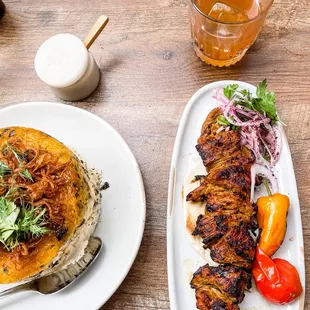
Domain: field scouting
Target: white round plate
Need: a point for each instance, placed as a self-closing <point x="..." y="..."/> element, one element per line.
<point x="122" y="219"/>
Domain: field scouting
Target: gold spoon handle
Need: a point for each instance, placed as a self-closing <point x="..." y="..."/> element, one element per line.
<point x="95" y="31"/>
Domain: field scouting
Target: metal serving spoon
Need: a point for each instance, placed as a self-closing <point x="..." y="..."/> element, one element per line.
<point x="56" y="282"/>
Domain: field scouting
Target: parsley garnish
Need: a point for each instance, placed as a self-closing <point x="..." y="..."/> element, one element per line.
<point x="263" y="102"/>
<point x="229" y="91"/>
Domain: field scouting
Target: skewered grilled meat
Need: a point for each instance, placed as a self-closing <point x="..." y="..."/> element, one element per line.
<point x="213" y="226"/>
<point x="228" y="219"/>
<point x="212" y="148"/>
<point x="243" y="156"/>
<point x="208" y="297"/>
<point x="225" y="200"/>
<point x="237" y="247"/>
<point x="210" y="125"/>
<point x="220" y="287"/>
<point x="234" y="177"/>
<point x="230" y="174"/>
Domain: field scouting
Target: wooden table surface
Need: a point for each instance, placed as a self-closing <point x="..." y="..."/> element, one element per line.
<point x="149" y="72"/>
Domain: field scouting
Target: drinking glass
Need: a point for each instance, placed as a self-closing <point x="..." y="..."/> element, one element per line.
<point x="223" y="31"/>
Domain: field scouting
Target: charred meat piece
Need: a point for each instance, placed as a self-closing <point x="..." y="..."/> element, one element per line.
<point x="224" y="178"/>
<point x="213" y="226"/>
<point x="209" y="229"/>
<point x="212" y="148"/>
<point x="225" y="200"/>
<point x="243" y="156"/>
<point x="203" y="191"/>
<point x="237" y="247"/>
<point x="229" y="181"/>
<point x="230" y="280"/>
<point x="234" y="177"/>
<point x="217" y="197"/>
<point x="209" y="298"/>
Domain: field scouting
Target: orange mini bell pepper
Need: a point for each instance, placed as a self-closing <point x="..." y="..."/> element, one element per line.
<point x="272" y="212"/>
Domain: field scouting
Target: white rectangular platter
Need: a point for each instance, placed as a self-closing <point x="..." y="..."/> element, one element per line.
<point x="183" y="259"/>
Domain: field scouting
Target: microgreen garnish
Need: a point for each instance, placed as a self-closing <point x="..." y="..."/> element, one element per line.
<point x="16" y="224"/>
<point x="8" y="216"/>
<point x="17" y="156"/>
<point x="4" y="169"/>
<point x="31" y="220"/>
<point x="25" y="174"/>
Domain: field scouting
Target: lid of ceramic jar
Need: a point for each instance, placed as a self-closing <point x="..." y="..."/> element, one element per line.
<point x="61" y="60"/>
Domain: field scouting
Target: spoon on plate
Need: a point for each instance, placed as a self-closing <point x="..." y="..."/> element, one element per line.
<point x="56" y="282"/>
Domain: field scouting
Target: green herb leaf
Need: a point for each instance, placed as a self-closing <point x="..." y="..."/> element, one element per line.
<point x="4" y="170"/>
<point x="10" y="147"/>
<point x="8" y="216"/>
<point x="223" y="121"/>
<point x="16" y="224"/>
<point x="246" y="93"/>
<point x="261" y="89"/>
<point x="25" y="174"/>
<point x="31" y="220"/>
<point x="12" y="190"/>
<point x="264" y="102"/>
<point x="230" y="90"/>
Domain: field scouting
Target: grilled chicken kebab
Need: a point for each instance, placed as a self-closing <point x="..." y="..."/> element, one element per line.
<point x="229" y="218"/>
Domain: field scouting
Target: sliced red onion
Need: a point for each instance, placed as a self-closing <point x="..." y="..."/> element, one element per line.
<point x="219" y="95"/>
<point x="257" y="169"/>
<point x="230" y="113"/>
<point x="252" y="134"/>
<point x="222" y="96"/>
<point x="240" y="111"/>
<point x="251" y="111"/>
<point x="272" y="159"/>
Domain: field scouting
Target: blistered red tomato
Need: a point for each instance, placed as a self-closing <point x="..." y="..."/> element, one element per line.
<point x="276" y="279"/>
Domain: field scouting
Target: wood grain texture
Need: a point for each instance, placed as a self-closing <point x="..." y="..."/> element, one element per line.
<point x="149" y="72"/>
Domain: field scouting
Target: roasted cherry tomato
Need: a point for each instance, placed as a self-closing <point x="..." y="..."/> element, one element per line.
<point x="276" y="279"/>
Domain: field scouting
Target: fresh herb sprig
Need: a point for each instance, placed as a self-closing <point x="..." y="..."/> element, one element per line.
<point x="8" y="216"/>
<point x="264" y="102"/>
<point x="225" y="122"/>
<point x="18" y="223"/>
<point x="230" y="90"/>
<point x="4" y="170"/>
<point x="25" y="174"/>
